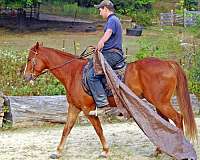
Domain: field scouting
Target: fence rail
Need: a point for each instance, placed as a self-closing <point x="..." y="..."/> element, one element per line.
<point x="189" y="18"/>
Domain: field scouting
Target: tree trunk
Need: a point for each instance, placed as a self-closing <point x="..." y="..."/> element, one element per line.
<point x="38" y="11"/>
<point x="21" y="18"/>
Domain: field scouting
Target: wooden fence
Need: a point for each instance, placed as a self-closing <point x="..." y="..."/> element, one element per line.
<point x="189" y="18"/>
<point x="171" y="19"/>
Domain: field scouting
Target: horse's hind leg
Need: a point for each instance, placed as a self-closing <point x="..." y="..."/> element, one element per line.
<point x="158" y="151"/>
<point x="73" y="113"/>
<point x="168" y="111"/>
<point x="97" y="126"/>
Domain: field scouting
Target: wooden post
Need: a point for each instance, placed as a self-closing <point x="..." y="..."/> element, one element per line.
<point x="172" y="17"/>
<point x="34" y="11"/>
<point x="38" y="10"/>
<point x="75" y="47"/>
<point x="184" y="17"/>
<point x="31" y="14"/>
<point x="75" y="15"/>
<point x="63" y="48"/>
<point x="21" y="18"/>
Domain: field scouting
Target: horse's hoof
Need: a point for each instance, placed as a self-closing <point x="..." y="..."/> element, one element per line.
<point x="104" y="154"/>
<point x="55" y="156"/>
<point x="156" y="153"/>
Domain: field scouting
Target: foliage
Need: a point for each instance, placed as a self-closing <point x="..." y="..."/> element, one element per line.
<point x="191" y="4"/>
<point x="194" y="74"/>
<point x="5" y="109"/>
<point x="72" y="9"/>
<point x="11" y="78"/>
<point x="144" y="18"/>
<point x="133" y="5"/>
<point x="140" y="10"/>
<point x="198" y="21"/>
<point x="69" y="9"/>
<point x="18" y="3"/>
<point x="7" y="124"/>
<point x="139" y="4"/>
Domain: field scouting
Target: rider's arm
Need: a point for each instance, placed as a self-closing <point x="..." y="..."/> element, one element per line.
<point x="105" y="37"/>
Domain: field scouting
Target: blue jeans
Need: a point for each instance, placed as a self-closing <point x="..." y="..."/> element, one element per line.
<point x="95" y="81"/>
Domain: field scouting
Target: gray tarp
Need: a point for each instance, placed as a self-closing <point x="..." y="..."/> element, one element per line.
<point x="163" y="134"/>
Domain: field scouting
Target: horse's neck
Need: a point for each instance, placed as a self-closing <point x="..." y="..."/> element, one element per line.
<point x="65" y="65"/>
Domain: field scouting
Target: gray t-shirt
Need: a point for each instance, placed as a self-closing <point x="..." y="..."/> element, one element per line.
<point x="115" y="41"/>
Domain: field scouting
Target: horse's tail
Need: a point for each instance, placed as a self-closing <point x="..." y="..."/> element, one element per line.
<point x="184" y="102"/>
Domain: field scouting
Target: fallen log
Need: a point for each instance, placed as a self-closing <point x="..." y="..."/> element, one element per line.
<point x="34" y="109"/>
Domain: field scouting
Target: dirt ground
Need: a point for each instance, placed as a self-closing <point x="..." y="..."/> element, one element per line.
<point x="126" y="142"/>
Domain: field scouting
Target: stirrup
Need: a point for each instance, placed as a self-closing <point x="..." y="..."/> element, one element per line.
<point x="99" y="111"/>
<point x="93" y="112"/>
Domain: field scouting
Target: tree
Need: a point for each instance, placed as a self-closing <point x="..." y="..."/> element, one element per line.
<point x="191" y="4"/>
<point x="18" y="3"/>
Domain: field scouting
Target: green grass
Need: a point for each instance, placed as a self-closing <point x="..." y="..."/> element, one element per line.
<point x="163" y="43"/>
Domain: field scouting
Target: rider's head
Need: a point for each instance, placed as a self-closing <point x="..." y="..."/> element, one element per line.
<point x="106" y="8"/>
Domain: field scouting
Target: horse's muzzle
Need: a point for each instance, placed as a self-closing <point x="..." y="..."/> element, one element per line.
<point x="28" y="78"/>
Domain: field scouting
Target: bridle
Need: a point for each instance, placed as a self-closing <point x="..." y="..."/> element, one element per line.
<point x="33" y="60"/>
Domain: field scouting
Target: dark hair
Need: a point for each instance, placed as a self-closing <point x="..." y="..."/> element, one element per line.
<point x="109" y="8"/>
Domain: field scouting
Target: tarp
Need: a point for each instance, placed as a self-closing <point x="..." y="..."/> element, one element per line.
<point x="167" y="137"/>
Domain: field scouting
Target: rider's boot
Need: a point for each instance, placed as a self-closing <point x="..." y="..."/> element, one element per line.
<point x="100" y="111"/>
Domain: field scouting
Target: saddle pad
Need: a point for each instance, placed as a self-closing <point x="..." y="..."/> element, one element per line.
<point x="120" y="73"/>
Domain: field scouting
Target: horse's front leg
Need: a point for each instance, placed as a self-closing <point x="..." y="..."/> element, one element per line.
<point x="97" y="126"/>
<point x="73" y="113"/>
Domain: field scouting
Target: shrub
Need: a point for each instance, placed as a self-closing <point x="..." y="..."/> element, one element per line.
<point x="11" y="78"/>
<point x="194" y="75"/>
<point x="144" y="18"/>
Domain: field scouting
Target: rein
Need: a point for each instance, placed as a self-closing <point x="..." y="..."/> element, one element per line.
<point x="84" y="54"/>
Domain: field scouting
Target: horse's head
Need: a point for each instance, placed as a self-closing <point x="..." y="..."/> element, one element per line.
<point x="35" y="63"/>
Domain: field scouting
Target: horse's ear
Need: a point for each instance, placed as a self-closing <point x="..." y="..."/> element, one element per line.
<point x="37" y="45"/>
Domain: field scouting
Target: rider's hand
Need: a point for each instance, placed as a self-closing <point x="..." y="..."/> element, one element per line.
<point x="100" y="45"/>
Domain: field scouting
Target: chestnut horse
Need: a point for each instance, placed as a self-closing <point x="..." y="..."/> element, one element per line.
<point x="150" y="78"/>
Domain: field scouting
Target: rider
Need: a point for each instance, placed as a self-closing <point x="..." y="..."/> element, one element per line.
<point x="110" y="45"/>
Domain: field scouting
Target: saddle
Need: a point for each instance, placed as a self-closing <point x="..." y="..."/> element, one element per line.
<point x="119" y="69"/>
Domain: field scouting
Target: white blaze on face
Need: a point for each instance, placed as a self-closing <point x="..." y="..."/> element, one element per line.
<point x="25" y="69"/>
<point x="32" y="82"/>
